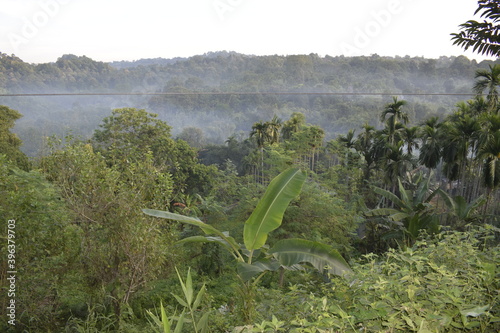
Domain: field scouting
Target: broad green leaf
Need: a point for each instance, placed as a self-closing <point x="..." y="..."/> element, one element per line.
<point x="403" y="192"/>
<point x="389" y="195"/>
<point x="422" y="191"/>
<point x="449" y="202"/>
<point x="229" y="243"/>
<point x="293" y="251"/>
<point x="394" y="214"/>
<point x="208" y="229"/>
<point x="180" y="300"/>
<point x="399" y="216"/>
<point x="268" y="214"/>
<point x="189" y="288"/>
<point x="472" y="324"/>
<point x="248" y="271"/>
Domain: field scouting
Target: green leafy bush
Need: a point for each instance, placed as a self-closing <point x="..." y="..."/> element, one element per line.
<point x="45" y="246"/>
<point x="448" y="283"/>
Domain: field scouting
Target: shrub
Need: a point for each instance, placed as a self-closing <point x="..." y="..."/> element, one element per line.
<point x="447" y="283"/>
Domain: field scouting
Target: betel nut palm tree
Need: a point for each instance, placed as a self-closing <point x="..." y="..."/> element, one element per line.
<point x="488" y="80"/>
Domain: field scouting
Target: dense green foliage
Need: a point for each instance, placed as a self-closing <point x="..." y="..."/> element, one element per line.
<point x="296" y="212"/>
<point x="365" y="194"/>
<point x="46" y="254"/>
<point x="444" y="284"/>
<point x="9" y="142"/>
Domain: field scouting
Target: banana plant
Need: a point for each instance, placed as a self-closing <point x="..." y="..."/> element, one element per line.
<point x="414" y="210"/>
<point x="253" y="259"/>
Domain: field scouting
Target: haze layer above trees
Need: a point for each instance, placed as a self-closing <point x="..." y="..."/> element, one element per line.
<point x="252" y="80"/>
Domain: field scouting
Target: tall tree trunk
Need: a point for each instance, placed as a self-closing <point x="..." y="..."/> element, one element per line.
<point x="262" y="164"/>
<point x="312" y="161"/>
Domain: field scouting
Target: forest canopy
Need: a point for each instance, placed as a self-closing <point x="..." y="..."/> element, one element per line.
<point x="224" y="93"/>
<point x="236" y="193"/>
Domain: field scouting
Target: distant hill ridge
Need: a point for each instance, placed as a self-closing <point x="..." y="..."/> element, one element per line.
<point x="374" y="80"/>
<point x="166" y="61"/>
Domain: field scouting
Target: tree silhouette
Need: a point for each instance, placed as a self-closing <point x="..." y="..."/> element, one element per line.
<point x="482" y="37"/>
<point x="394" y="115"/>
<point x="430" y="152"/>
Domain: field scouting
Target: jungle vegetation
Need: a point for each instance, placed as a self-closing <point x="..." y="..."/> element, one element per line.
<point x="246" y="197"/>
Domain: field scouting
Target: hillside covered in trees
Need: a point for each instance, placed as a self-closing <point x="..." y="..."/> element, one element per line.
<point x="224" y="93"/>
<point x="219" y="202"/>
<point x="236" y="193"/>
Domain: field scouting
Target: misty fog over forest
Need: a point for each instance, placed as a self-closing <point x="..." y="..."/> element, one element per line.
<point x="224" y="93"/>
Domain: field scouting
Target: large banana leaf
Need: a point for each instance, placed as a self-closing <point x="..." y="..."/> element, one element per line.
<point x="293" y="251"/>
<point x="268" y="214"/>
<point x="394" y="214"/>
<point x="389" y="195"/>
<point x="248" y="271"/>
<point x="207" y="229"/>
<point x="229" y="243"/>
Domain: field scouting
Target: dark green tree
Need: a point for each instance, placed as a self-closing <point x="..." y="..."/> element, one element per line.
<point x="121" y="248"/>
<point x="293" y="125"/>
<point x="261" y="134"/>
<point x="394" y="115"/>
<point x="430" y="152"/>
<point x="274" y="129"/>
<point x="10" y="142"/>
<point x="482" y="37"/>
<point x="130" y="135"/>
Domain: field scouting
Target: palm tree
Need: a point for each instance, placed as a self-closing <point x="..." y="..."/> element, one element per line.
<point x="430" y="152"/>
<point x="488" y="80"/>
<point x="365" y="145"/>
<point x="460" y="145"/>
<point x="293" y="125"/>
<point x="482" y="37"/>
<point x="273" y="129"/>
<point x="260" y="133"/>
<point x="410" y="138"/>
<point x="392" y="116"/>
<point x="397" y="163"/>
<point x="490" y="154"/>
<point x="477" y="106"/>
<point x="349" y="143"/>
<point x="315" y="136"/>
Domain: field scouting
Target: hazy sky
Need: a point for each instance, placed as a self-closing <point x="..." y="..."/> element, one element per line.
<point x="107" y="30"/>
